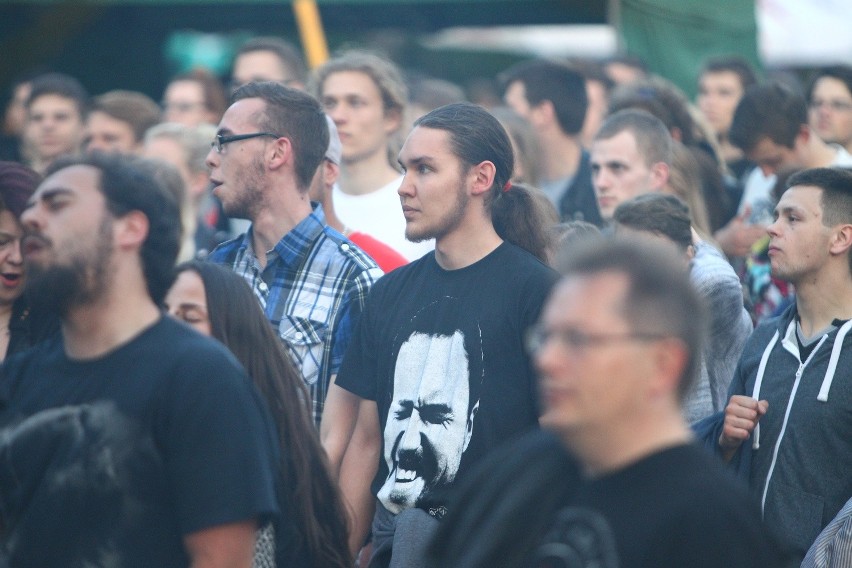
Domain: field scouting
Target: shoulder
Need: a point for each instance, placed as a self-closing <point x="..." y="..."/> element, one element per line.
<point x="224" y="252"/>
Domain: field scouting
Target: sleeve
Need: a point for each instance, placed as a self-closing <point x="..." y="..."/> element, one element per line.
<point x="219" y="443"/>
<point x="359" y="370"/>
<point x="352" y="305"/>
<point x="730" y="324"/>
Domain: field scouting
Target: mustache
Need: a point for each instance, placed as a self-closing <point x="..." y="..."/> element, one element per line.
<point x="33" y="240"/>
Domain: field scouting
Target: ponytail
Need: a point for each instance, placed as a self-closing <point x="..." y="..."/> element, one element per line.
<point x="524" y="216"/>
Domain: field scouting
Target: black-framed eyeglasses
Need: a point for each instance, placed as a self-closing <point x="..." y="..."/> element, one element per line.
<point x="578" y="341"/>
<point x="220" y="140"/>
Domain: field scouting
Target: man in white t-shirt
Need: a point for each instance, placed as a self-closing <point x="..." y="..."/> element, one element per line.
<point x="365" y="96"/>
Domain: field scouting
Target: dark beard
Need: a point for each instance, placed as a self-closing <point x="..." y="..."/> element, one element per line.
<point x="56" y="289"/>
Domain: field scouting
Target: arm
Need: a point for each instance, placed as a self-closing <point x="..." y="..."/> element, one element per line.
<point x="360" y="463"/>
<point x="338" y="424"/>
<point x="224" y="546"/>
<point x="737" y="237"/>
<point x="741" y="417"/>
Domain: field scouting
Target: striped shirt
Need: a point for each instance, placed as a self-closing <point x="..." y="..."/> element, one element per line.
<point x="312" y="289"/>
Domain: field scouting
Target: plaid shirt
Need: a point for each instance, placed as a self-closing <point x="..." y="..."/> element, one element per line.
<point x="313" y="289"/>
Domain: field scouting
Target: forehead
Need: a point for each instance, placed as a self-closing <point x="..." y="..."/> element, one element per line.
<point x="79" y="179"/>
<point x="102" y="120"/>
<point x="260" y="65"/>
<point x="188" y="286"/>
<point x="185" y="89"/>
<point x="622" y="147"/>
<point x="53" y="102"/>
<point x="433" y="367"/>
<point x="350" y="82"/>
<point x="242" y="113"/>
<point x="831" y="87"/>
<point x="430" y="143"/>
<point x="720" y="78"/>
<point x="805" y="197"/>
<point x="592" y="300"/>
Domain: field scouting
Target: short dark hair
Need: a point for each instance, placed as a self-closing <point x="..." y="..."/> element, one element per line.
<point x="17" y="184"/>
<point x="662" y="99"/>
<point x="476" y="136"/>
<point x="285" y="51"/>
<point x="731" y="64"/>
<point x="136" y="109"/>
<point x="658" y="213"/>
<point x="661" y="299"/>
<point x="61" y="85"/>
<point x="295" y="115"/>
<point x="770" y="110"/>
<point x="126" y="187"/>
<point x="842" y="73"/>
<point x="652" y="137"/>
<point x="556" y="82"/>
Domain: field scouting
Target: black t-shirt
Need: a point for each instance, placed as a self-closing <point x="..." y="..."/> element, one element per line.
<point x="112" y="461"/>
<point x="442" y="354"/>
<point x="674" y="508"/>
<point x="528" y="505"/>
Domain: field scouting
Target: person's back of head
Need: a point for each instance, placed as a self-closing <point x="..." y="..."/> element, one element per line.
<point x="769" y="110"/>
<point x="294" y="115"/>
<point x="662" y="99"/>
<point x="652" y="137"/>
<point x="556" y="82"/>
<point x="134" y="108"/>
<point x="289" y="66"/>
<point x="660" y="214"/>
<point x="126" y="188"/>
<point x="17" y="184"/>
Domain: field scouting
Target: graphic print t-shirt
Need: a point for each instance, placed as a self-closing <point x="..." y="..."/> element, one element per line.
<point x="441" y="352"/>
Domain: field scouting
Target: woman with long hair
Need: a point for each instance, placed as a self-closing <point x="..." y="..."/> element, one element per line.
<point x="218" y="303"/>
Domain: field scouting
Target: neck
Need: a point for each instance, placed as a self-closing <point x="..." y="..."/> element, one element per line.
<point x="331" y="218"/>
<point x="624" y="445"/>
<point x="276" y="218"/>
<point x="5" y="316"/>
<point x="820" y="154"/>
<point x="820" y="300"/>
<point x="366" y="175"/>
<point x="560" y="155"/>
<point x="119" y="315"/>
<point x="471" y="241"/>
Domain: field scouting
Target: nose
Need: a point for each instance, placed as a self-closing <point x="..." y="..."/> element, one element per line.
<point x="212" y="158"/>
<point x="406" y="188"/>
<point x="411" y="437"/>
<point x="338" y="114"/>
<point x="600" y="180"/>
<point x="772" y="228"/>
<point x="15" y="257"/>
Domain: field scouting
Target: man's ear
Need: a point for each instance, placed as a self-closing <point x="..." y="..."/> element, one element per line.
<point x="841" y="240"/>
<point x="278" y="153"/>
<point x="482" y="175"/>
<point x="670" y="358"/>
<point x="659" y="175"/>
<point x="130" y="230"/>
<point x="392" y="121"/>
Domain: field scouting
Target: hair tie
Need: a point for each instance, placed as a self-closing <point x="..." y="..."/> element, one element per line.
<point x="507" y="186"/>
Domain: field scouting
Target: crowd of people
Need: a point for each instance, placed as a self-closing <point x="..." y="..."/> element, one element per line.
<point x="347" y="317"/>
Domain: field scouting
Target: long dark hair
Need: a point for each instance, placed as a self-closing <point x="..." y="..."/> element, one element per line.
<point x="310" y="497"/>
<point x="476" y="136"/>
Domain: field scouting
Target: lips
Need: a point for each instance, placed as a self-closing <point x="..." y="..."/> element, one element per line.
<point x="10" y="279"/>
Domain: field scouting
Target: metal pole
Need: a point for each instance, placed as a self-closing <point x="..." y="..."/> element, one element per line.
<point x="311" y="32"/>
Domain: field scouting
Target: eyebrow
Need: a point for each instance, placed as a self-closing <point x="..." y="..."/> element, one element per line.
<point x="47" y="194"/>
<point x="416" y="161"/>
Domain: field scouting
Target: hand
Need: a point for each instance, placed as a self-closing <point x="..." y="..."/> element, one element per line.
<point x="741" y="417"/>
<point x="737" y="237"/>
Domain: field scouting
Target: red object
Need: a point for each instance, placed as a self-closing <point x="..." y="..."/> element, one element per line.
<point x="386" y="257"/>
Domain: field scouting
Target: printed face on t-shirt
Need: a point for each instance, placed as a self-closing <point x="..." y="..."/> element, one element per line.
<point x="429" y="424"/>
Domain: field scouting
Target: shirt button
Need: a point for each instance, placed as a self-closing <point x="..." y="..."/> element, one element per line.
<point x="344" y="246"/>
<point x="263" y="287"/>
<point x="299" y="335"/>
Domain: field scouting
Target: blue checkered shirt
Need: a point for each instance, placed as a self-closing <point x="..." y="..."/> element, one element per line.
<point x="313" y="289"/>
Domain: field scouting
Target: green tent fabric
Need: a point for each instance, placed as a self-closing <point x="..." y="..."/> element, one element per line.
<point x="674" y="37"/>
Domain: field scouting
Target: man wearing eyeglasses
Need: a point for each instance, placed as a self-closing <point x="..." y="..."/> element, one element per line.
<point x="311" y="281"/>
<point x="830" y="105"/>
<point x="616" y="481"/>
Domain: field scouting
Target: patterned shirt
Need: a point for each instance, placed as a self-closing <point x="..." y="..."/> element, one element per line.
<point x="312" y="289"/>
